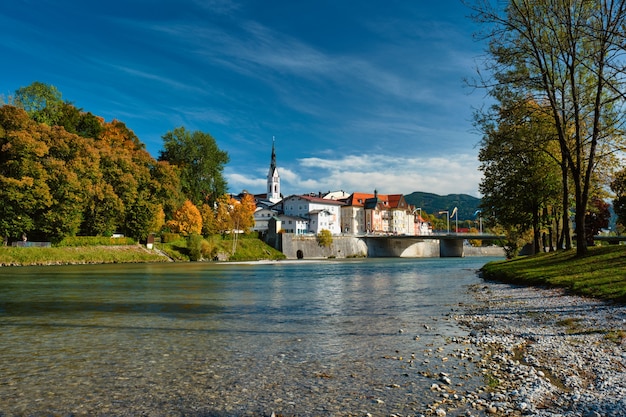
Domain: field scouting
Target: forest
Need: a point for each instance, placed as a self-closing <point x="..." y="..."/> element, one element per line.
<point x="67" y="172"/>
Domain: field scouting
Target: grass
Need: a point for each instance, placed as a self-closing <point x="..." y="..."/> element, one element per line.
<point x="10" y="256"/>
<point x="248" y="248"/>
<point x="601" y="273"/>
<point x="98" y="251"/>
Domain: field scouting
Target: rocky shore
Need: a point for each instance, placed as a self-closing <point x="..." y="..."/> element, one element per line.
<point x="542" y="353"/>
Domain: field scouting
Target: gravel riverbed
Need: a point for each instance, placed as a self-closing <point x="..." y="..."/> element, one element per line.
<point x="544" y="353"/>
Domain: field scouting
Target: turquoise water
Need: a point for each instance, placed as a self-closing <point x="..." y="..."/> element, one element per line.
<point x="297" y="338"/>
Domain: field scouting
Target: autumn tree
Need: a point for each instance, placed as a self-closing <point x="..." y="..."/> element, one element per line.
<point x="186" y="220"/>
<point x="23" y="188"/>
<point x="242" y="212"/>
<point x="209" y="221"/>
<point x="223" y="220"/>
<point x="200" y="162"/>
<point x="568" y="54"/>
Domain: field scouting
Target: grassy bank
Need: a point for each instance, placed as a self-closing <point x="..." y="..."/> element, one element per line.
<point x="247" y="248"/>
<point x="601" y="273"/>
<point x="10" y="256"/>
<point x="98" y="251"/>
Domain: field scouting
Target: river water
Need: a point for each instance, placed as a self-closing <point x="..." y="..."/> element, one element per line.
<point x="335" y="338"/>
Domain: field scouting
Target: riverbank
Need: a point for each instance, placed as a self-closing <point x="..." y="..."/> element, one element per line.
<point x="543" y="353"/>
<point x="82" y="255"/>
<point x="601" y="273"/>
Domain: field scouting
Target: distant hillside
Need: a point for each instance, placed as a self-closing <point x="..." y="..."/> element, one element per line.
<point x="434" y="203"/>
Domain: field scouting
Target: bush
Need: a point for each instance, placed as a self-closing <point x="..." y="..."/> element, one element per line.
<point x="194" y="244"/>
<point x="325" y="238"/>
<point x="209" y="250"/>
<point x="169" y="237"/>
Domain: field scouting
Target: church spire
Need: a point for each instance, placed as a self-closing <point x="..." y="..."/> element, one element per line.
<point x="273" y="179"/>
<point x="273" y="163"/>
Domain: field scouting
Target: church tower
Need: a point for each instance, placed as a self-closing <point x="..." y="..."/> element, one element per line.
<point x="273" y="179"/>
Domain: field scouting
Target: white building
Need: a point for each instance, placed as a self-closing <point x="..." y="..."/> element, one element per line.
<point x="273" y="179"/>
<point x="292" y="224"/>
<point x="262" y="216"/>
<point x="320" y="213"/>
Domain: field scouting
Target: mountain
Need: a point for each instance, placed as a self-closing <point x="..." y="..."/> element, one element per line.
<point x="434" y="203"/>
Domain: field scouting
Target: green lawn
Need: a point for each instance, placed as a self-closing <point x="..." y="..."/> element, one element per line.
<point x="10" y="256"/>
<point x="601" y="273"/>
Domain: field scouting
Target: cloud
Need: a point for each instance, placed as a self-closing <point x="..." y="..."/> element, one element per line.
<point x="364" y="173"/>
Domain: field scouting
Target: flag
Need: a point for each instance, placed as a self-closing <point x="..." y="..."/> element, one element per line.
<point x="453" y="213"/>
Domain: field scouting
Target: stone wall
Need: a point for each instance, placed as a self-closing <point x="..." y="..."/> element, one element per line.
<point x="306" y="247"/>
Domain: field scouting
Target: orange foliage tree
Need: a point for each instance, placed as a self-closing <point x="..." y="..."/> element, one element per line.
<point x="186" y="220"/>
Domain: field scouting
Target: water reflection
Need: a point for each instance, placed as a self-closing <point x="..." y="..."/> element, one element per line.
<point x="185" y="336"/>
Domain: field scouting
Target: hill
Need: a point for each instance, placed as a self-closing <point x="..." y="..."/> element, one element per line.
<point x="434" y="203"/>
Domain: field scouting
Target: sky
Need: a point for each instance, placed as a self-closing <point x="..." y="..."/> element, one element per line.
<point x="357" y="95"/>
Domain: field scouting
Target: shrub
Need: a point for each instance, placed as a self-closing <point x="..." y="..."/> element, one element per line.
<point x="194" y="244"/>
<point x="325" y="238"/>
<point x="169" y="237"/>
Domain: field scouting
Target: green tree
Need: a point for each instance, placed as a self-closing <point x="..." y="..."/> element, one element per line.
<point x="324" y="238"/>
<point x="200" y="161"/>
<point x="41" y="101"/>
<point x="568" y="53"/>
<point x="520" y="176"/>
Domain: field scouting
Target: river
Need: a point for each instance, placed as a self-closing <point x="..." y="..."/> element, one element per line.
<point x="338" y="338"/>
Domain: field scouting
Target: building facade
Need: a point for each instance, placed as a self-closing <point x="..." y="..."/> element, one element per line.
<point x="319" y="212"/>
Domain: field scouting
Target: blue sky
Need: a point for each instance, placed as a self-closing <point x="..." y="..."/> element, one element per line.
<point x="359" y="95"/>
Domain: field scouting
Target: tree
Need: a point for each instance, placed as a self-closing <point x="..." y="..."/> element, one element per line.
<point x="324" y="238"/>
<point x="186" y="220"/>
<point x="567" y="53"/>
<point x="41" y="101"/>
<point x="200" y="161"/>
<point x="24" y="192"/>
<point x="223" y="220"/>
<point x="209" y="226"/>
<point x="521" y="178"/>
<point x="242" y="212"/>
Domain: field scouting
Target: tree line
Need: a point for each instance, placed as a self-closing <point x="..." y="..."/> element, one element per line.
<point x="553" y="138"/>
<point x="66" y="172"/>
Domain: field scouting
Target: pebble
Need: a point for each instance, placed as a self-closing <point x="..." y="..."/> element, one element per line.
<point x="538" y="367"/>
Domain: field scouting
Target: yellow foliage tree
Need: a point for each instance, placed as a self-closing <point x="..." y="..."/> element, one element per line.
<point x="186" y="220"/>
<point x="209" y="223"/>
<point x="242" y="212"/>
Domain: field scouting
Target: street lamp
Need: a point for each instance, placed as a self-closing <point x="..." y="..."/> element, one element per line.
<point x="447" y="218"/>
<point x="455" y="213"/>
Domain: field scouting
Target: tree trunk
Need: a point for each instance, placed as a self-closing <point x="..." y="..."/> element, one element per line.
<point x="566" y="235"/>
<point x="536" y="232"/>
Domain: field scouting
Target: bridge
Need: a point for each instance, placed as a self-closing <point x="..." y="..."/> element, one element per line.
<point x="378" y="246"/>
<point x="450" y="244"/>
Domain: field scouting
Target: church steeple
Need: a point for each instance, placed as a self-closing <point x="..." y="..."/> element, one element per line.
<point x="273" y="179"/>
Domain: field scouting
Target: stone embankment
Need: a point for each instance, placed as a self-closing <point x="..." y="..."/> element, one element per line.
<point x="542" y="353"/>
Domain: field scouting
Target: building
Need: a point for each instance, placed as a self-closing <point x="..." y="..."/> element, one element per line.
<point x="292" y="224"/>
<point x="262" y="216"/>
<point x="273" y="179"/>
<point x="353" y="214"/>
<point x="319" y="212"/>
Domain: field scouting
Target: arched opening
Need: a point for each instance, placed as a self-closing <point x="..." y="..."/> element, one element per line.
<point x="300" y="254"/>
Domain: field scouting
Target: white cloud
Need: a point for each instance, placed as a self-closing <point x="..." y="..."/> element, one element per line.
<point x="388" y="175"/>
